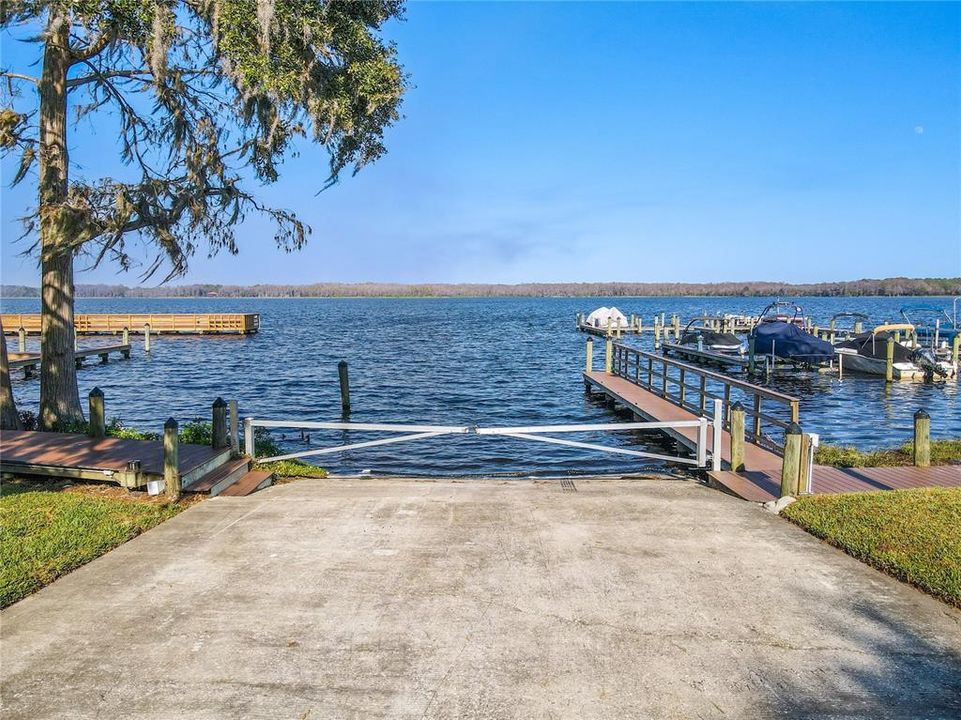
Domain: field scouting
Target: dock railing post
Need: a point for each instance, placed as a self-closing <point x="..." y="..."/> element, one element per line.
<point x="889" y="360"/>
<point x="249" y="446"/>
<point x="96" y="428"/>
<point x="716" y="428"/>
<point x="609" y="356"/>
<point x="791" y="466"/>
<point x="171" y="460"/>
<point x="342" y="374"/>
<point x="22" y="340"/>
<point x="146" y="337"/>
<point x="737" y="437"/>
<point x="702" y="442"/>
<point x="922" y="439"/>
<point x="589" y="360"/>
<point x="657" y="335"/>
<point x="804" y="468"/>
<point x="125" y="336"/>
<point x="234" y="440"/>
<point x="219" y="425"/>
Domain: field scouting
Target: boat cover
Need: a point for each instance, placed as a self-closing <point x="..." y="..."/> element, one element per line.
<point x="791" y="342"/>
<point x="875" y="345"/>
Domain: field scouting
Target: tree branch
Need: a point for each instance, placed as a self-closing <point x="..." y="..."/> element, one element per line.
<point x="20" y="76"/>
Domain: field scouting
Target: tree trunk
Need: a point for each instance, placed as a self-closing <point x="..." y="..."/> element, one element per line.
<point x="59" y="397"/>
<point x="9" y="418"/>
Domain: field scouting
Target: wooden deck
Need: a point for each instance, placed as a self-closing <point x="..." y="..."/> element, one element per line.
<point x="159" y="324"/>
<point x="761" y="479"/>
<point x="77" y="456"/>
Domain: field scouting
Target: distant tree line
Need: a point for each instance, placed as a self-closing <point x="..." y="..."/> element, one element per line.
<point x="854" y="288"/>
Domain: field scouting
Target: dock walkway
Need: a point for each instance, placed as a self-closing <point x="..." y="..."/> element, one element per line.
<point x="761" y="479"/>
<point x="140" y="323"/>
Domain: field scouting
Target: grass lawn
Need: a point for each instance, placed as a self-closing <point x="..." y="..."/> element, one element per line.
<point x="914" y="535"/>
<point x="943" y="452"/>
<point x="47" y="530"/>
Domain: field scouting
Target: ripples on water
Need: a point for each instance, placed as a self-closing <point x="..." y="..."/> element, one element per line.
<point x="498" y="361"/>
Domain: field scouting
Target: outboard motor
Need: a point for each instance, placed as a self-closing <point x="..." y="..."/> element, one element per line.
<point x="926" y="360"/>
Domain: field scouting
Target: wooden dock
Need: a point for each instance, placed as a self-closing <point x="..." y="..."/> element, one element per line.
<point x="644" y="383"/>
<point x="707" y="357"/>
<point x="30" y="362"/>
<point x="143" y="323"/>
<point x="130" y="463"/>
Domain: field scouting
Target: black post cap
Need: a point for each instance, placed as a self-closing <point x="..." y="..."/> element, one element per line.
<point x="96" y="392"/>
<point x="342" y="363"/>
<point x="793" y="429"/>
<point x="922" y="414"/>
<point x="737" y="406"/>
<point x="171" y="424"/>
<point x="219" y="403"/>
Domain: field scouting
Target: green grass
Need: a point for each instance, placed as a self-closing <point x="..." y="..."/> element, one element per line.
<point x="914" y="535"/>
<point x="943" y="452"/>
<point x="293" y="468"/>
<point x="45" y="534"/>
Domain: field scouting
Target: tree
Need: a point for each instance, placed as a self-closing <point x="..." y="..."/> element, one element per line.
<point x="208" y="97"/>
<point x="9" y="418"/>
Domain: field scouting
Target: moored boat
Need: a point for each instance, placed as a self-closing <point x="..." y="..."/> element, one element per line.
<point x="867" y="353"/>
<point x="782" y="335"/>
<point x="705" y="338"/>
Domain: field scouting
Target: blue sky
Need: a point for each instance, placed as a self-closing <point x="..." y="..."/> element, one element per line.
<point x="635" y="142"/>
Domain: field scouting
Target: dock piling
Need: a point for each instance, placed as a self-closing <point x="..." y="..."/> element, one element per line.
<point x="922" y="439"/>
<point x="146" y="337"/>
<point x="609" y="356"/>
<point x="171" y="460"/>
<point x="22" y="340"/>
<point x="589" y="360"/>
<point x="889" y="360"/>
<point x="955" y="345"/>
<point x="344" y="387"/>
<point x="96" y="428"/>
<point x="234" y="442"/>
<point x="219" y="425"/>
<point x="750" y="354"/>
<point x="737" y="437"/>
<point x="249" y="446"/>
<point x="791" y="466"/>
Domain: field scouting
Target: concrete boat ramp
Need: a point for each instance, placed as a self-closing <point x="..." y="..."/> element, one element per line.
<point x="414" y="599"/>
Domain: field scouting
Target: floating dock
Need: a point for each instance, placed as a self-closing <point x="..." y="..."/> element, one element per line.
<point x="142" y="323"/>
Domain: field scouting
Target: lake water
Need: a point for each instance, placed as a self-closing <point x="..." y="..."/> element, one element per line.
<point x="497" y="361"/>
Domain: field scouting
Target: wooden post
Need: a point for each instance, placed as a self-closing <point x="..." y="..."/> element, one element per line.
<point x="737" y="437"/>
<point x="609" y="356"/>
<point x="955" y="345"/>
<point x="889" y="360"/>
<point x="840" y="366"/>
<point x="219" y="425"/>
<point x="750" y="354"/>
<point x="657" y="335"/>
<point x="234" y="441"/>
<point x="125" y="337"/>
<point x="897" y="336"/>
<point x="858" y="327"/>
<point x="171" y="460"/>
<point x="757" y="418"/>
<point x="804" y="471"/>
<point x="146" y="337"/>
<point x="344" y="387"/>
<point x="676" y="321"/>
<point x="22" y="340"/>
<point x="922" y="439"/>
<point x="249" y="442"/>
<point x="791" y="466"/>
<point x="96" y="428"/>
<point x="589" y="361"/>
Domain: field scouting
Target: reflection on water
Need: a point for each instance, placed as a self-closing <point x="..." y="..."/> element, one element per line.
<point x="499" y="361"/>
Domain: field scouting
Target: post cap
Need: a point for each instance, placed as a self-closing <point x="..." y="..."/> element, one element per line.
<point x="219" y="403"/>
<point x="342" y="363"/>
<point x="171" y="424"/>
<point x="793" y="429"/>
<point x="922" y="414"/>
<point x="96" y="392"/>
<point x="737" y="407"/>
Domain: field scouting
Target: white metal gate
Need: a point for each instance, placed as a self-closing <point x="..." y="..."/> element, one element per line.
<point x="703" y="452"/>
